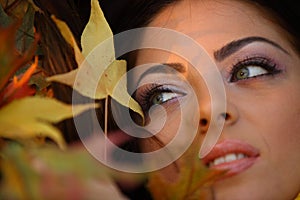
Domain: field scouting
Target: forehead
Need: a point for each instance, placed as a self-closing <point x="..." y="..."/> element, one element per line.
<point x="213" y="22"/>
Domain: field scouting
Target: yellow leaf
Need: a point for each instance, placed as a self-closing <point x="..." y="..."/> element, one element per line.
<point x="32" y="116"/>
<point x="298" y="197"/>
<point x="91" y="87"/>
<point x="111" y="77"/>
<point x="99" y="62"/>
<point x="97" y="31"/>
<point x="68" y="36"/>
<point x="67" y="79"/>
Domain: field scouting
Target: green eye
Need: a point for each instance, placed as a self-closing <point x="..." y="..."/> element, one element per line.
<point x="163" y="97"/>
<point x="253" y="67"/>
<point x="249" y="72"/>
<point x="242" y="73"/>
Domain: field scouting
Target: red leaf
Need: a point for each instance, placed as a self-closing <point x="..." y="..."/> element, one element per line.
<point x="10" y="59"/>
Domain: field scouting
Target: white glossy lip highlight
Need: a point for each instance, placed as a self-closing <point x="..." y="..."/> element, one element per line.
<point x="234" y="156"/>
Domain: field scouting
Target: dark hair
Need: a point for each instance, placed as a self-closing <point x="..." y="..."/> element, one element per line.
<point x="128" y="14"/>
<point x="287" y="15"/>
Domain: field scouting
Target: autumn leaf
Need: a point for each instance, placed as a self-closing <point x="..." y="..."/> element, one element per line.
<point x="32" y="116"/>
<point x="98" y="72"/>
<point x="19" y="88"/>
<point x="5" y="20"/>
<point x="25" y="34"/>
<point x="68" y="36"/>
<point x="16" y="12"/>
<point x="97" y="31"/>
<point x="10" y="60"/>
<point x="15" y="9"/>
<point x="192" y="183"/>
<point x="49" y="173"/>
<point x="40" y="84"/>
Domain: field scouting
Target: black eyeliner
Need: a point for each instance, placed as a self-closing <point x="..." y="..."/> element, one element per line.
<point x="262" y="62"/>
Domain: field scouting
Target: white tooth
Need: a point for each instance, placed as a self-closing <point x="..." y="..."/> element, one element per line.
<point x="230" y="157"/>
<point x="219" y="160"/>
<point x="240" y="156"/>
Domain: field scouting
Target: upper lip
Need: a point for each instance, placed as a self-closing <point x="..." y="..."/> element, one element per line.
<point x="230" y="146"/>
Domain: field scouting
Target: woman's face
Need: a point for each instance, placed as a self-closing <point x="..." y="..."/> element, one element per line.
<point x="260" y="140"/>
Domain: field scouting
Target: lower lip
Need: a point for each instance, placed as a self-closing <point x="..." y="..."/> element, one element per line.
<point x="235" y="167"/>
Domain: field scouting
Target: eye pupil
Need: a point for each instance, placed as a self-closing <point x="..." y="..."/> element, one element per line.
<point x="242" y="73"/>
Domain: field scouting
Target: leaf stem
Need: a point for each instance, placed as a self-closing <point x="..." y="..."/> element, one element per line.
<point x="105" y="127"/>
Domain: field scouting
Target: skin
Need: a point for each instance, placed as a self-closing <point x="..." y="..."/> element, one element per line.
<point x="263" y="111"/>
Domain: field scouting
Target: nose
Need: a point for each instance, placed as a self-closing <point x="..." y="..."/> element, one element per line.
<point x="229" y="116"/>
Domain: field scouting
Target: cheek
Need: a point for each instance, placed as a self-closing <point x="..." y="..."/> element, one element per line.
<point x="270" y="120"/>
<point x="282" y="149"/>
<point x="167" y="128"/>
<point x="275" y="117"/>
<point x="284" y="125"/>
<point x="283" y="117"/>
<point x="176" y="120"/>
<point x="273" y="124"/>
<point x="163" y="123"/>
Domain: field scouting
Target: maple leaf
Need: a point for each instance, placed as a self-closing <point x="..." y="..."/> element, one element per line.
<point x="30" y="117"/>
<point x="94" y="62"/>
<point x="193" y="181"/>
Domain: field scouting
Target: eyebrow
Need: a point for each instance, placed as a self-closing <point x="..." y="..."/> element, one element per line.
<point x="236" y="45"/>
<point x="161" y="68"/>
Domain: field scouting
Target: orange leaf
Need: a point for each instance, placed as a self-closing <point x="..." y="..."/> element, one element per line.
<point x="19" y="88"/>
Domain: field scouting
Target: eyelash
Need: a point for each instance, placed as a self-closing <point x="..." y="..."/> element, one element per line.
<point x="260" y="62"/>
<point x="146" y="96"/>
<point x="148" y="93"/>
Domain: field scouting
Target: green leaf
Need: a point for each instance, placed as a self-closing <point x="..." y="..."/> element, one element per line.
<point x="32" y="116"/>
<point x="5" y="20"/>
<point x="25" y="34"/>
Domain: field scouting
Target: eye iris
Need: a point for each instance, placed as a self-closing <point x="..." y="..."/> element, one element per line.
<point x="242" y="73"/>
<point x="157" y="99"/>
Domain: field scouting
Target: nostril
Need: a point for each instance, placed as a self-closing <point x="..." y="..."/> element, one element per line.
<point x="226" y="116"/>
<point x="203" y="122"/>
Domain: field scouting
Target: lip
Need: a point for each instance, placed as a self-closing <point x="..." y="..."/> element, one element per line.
<point x="232" y="146"/>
